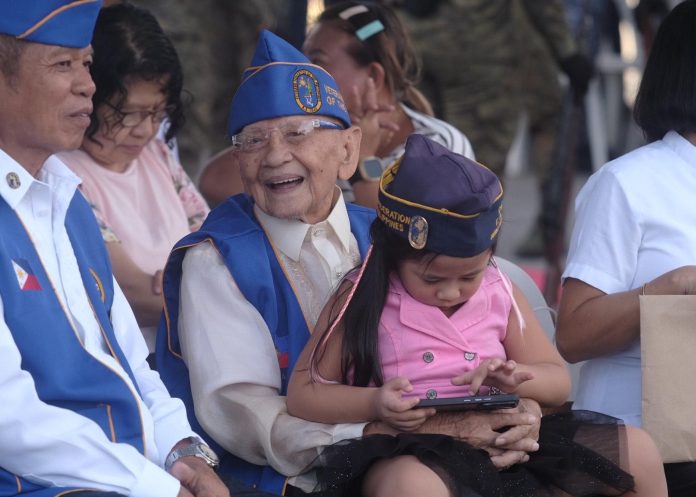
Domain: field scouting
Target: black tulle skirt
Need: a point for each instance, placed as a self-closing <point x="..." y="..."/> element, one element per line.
<point x="579" y="455"/>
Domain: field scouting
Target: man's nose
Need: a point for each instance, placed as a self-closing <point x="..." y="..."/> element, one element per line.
<point x="84" y="85"/>
<point x="276" y="150"/>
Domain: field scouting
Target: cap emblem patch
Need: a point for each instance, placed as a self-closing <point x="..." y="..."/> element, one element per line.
<point x="306" y="88"/>
<point x="418" y="232"/>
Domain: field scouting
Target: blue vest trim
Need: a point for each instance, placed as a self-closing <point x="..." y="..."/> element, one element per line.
<point x="105" y="399"/>
<point x="236" y="234"/>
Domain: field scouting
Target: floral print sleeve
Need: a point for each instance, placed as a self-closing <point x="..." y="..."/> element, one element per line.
<point x="107" y="233"/>
<point x="195" y="206"/>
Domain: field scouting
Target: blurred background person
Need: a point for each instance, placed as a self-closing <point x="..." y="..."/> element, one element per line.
<point x="366" y="49"/>
<point x="486" y="63"/>
<point x="214" y="40"/>
<point x="143" y="199"/>
<point x="635" y="234"/>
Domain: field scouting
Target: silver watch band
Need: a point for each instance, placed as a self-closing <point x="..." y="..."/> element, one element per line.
<point x="196" y="448"/>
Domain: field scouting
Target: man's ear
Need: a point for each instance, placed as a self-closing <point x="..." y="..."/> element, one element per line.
<point x="351" y="152"/>
<point x="378" y="75"/>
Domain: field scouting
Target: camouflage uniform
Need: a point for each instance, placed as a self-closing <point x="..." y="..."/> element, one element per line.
<point x="214" y="39"/>
<point x="487" y="60"/>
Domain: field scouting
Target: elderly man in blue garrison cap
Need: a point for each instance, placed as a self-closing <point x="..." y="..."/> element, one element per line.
<point x="80" y="410"/>
<point x="243" y="294"/>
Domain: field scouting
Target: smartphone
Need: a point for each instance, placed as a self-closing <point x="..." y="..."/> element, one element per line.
<point x="473" y="402"/>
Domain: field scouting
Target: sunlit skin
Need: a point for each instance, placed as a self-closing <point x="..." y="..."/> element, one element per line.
<point x="297" y="181"/>
<point x="114" y="146"/>
<point x="444" y="282"/>
<point x="365" y="89"/>
<point x="45" y="108"/>
<point x="369" y="98"/>
<point x="327" y="46"/>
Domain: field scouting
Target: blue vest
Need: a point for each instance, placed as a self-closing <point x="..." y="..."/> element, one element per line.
<point x="249" y="256"/>
<point x="65" y="374"/>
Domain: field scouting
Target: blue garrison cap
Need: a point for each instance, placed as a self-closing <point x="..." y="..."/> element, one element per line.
<point x="282" y="82"/>
<point x="441" y="201"/>
<point x="66" y="23"/>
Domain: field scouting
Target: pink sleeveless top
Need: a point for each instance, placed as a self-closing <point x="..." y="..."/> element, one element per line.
<point x="419" y="342"/>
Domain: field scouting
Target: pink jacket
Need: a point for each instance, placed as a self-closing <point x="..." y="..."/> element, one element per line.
<point x="419" y="342"/>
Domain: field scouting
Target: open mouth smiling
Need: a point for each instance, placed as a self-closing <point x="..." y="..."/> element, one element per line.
<point x="284" y="184"/>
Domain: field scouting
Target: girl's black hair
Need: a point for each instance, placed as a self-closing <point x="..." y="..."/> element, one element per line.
<point x="129" y="43"/>
<point x="359" y="356"/>
<point x="667" y="96"/>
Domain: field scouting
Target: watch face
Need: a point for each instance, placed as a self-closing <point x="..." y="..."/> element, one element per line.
<point x="208" y="452"/>
<point x="371" y="168"/>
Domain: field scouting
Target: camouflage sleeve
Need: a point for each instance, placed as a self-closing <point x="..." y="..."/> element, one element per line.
<point x="549" y="18"/>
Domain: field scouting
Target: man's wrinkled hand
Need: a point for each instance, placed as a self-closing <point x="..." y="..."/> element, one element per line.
<point x="508" y="435"/>
<point x="198" y="479"/>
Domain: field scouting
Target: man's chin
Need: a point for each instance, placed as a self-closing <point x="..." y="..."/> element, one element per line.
<point x="296" y="214"/>
<point x="71" y="143"/>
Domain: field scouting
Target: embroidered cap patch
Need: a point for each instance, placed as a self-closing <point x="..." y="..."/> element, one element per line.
<point x="306" y="89"/>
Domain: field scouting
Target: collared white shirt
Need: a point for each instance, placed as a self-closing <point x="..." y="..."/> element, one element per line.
<point x="233" y="366"/>
<point x="635" y="220"/>
<point x="57" y="447"/>
<point x="315" y="256"/>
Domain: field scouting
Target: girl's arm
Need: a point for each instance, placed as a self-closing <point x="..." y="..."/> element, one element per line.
<point x="535" y="354"/>
<point x="328" y="401"/>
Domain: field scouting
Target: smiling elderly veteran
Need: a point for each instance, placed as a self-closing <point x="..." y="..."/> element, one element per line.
<point x="243" y="294"/>
<point x="80" y="409"/>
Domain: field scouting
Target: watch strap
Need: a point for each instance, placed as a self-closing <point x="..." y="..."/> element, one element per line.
<point x="363" y="173"/>
<point x="196" y="448"/>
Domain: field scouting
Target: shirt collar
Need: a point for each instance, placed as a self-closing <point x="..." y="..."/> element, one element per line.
<point x="53" y="172"/>
<point x="681" y="146"/>
<point x="289" y="234"/>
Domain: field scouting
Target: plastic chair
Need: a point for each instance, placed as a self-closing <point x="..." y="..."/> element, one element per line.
<point x="545" y="314"/>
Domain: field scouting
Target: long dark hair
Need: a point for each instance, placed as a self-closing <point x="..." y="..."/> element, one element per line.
<point x="667" y="96"/>
<point x="359" y="354"/>
<point x="392" y="48"/>
<point x="128" y="42"/>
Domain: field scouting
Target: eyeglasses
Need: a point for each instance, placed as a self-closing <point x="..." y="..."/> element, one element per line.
<point x="133" y="119"/>
<point x="293" y="133"/>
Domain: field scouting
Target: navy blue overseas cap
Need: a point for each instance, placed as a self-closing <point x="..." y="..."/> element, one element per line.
<point x="63" y="23"/>
<point x="441" y="201"/>
<point x="282" y="82"/>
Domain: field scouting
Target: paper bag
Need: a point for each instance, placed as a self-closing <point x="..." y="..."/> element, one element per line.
<point x="668" y="362"/>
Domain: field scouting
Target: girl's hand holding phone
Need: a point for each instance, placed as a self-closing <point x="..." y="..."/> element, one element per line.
<point x="398" y="412"/>
<point x="498" y="373"/>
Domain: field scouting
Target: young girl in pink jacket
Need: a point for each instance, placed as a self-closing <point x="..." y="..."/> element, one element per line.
<point x="429" y="316"/>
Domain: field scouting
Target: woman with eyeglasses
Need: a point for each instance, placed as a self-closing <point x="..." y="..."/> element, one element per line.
<point x="142" y="198"/>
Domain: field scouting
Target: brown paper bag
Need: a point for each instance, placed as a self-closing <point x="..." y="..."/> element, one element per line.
<point x="668" y="362"/>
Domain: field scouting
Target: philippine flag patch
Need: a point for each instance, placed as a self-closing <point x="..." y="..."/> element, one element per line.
<point x="25" y="276"/>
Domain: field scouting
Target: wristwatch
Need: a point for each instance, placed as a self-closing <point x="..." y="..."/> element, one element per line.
<point x="196" y="448"/>
<point x="369" y="169"/>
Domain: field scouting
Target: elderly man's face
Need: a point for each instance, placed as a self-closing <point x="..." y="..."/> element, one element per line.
<point x="295" y="179"/>
<point x="45" y="108"/>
